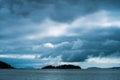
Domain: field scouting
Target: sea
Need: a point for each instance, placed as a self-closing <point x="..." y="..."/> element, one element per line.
<point x="62" y="74"/>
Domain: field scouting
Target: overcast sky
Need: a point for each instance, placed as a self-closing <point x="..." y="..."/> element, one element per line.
<point x="35" y="33"/>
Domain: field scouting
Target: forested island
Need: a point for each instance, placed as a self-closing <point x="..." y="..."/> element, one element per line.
<point x="4" y="65"/>
<point x="62" y="67"/>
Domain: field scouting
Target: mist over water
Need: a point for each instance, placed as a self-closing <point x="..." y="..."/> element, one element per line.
<point x="59" y="74"/>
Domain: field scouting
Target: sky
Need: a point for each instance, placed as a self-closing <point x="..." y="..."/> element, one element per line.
<point x="36" y="33"/>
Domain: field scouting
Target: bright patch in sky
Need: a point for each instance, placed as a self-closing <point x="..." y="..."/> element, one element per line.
<point x="17" y="56"/>
<point x="104" y="60"/>
<point x="49" y="45"/>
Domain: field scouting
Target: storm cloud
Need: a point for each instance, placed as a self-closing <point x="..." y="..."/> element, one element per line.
<point x="59" y="31"/>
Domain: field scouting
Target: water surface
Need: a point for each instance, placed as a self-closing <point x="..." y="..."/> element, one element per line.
<point x="59" y="74"/>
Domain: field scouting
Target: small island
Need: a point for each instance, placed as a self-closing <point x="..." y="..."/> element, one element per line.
<point x="4" y="65"/>
<point x="62" y="67"/>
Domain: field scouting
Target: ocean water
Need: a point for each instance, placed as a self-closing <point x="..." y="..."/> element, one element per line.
<point x="59" y="74"/>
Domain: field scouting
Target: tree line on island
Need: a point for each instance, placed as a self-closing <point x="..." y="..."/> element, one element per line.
<point x="4" y="65"/>
<point x="62" y="67"/>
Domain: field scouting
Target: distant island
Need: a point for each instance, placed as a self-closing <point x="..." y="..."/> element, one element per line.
<point x="62" y="67"/>
<point x="4" y="65"/>
<point x="103" y="68"/>
<point x="115" y="68"/>
<point x="94" y="68"/>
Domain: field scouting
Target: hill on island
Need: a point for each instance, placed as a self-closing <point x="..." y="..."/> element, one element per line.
<point x="4" y="65"/>
<point x="62" y="67"/>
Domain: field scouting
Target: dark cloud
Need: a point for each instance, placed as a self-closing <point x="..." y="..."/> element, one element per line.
<point x="23" y="20"/>
<point x="96" y="43"/>
<point x="55" y="9"/>
<point x="99" y="42"/>
<point x="14" y="13"/>
<point x="92" y="44"/>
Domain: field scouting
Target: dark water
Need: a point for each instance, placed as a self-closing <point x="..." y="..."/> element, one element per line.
<point x="59" y="74"/>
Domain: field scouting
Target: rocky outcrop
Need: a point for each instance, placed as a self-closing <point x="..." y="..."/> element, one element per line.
<point x="4" y="65"/>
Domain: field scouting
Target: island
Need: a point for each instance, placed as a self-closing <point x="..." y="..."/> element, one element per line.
<point x="62" y="67"/>
<point x="98" y="68"/>
<point x="115" y="68"/>
<point x="4" y="65"/>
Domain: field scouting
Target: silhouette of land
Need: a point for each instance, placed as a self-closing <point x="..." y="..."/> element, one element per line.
<point x="94" y="68"/>
<point x="4" y="65"/>
<point x="62" y="67"/>
<point x="49" y="67"/>
<point x="115" y="68"/>
<point x="103" y="68"/>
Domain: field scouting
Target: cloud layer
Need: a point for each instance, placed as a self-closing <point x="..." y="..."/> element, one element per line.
<point x="42" y="32"/>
